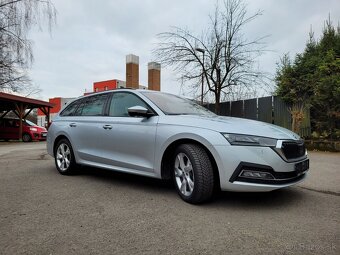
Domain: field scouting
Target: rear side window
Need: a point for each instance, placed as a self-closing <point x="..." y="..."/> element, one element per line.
<point x="10" y="123"/>
<point x="92" y="106"/>
<point x="70" y="109"/>
<point x="120" y="103"/>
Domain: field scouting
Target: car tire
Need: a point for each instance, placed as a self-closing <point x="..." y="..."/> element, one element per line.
<point x="193" y="173"/>
<point x="26" y="138"/>
<point x="64" y="157"/>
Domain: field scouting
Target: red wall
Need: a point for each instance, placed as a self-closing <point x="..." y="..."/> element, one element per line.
<point x="56" y="108"/>
<point x="100" y="85"/>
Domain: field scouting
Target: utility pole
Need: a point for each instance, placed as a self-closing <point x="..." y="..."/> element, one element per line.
<point x="202" y="89"/>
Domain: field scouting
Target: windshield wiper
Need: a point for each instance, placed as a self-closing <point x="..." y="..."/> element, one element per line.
<point x="179" y="114"/>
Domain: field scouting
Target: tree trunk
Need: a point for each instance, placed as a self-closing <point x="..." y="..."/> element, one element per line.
<point x="297" y="113"/>
<point x="218" y="91"/>
<point x="217" y="103"/>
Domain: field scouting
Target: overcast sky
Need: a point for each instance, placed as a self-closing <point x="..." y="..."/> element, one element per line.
<point x="92" y="38"/>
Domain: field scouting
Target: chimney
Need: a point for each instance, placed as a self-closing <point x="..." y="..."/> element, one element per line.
<point x="132" y="71"/>
<point x="154" y="76"/>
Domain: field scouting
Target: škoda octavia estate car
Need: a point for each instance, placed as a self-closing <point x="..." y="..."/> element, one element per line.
<point x="164" y="136"/>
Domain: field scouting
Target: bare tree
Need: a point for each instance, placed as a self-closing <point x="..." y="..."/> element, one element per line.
<point x="17" y="17"/>
<point x="221" y="55"/>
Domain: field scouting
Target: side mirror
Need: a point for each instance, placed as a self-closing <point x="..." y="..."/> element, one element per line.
<point x="139" y="111"/>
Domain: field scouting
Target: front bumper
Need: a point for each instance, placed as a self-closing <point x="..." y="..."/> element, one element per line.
<point x="232" y="160"/>
<point x="262" y="174"/>
<point x="39" y="136"/>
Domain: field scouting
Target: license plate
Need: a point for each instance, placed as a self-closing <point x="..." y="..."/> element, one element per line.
<point x="302" y="167"/>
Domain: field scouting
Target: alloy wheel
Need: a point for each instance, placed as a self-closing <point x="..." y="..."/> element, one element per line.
<point x="184" y="174"/>
<point x="26" y="137"/>
<point x="63" y="157"/>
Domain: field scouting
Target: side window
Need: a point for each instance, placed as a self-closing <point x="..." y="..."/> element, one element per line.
<point x="120" y="103"/>
<point x="4" y="123"/>
<point x="92" y="106"/>
<point x="70" y="109"/>
<point x="10" y="123"/>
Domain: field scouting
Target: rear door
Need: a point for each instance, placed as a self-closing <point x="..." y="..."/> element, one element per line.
<point x="85" y="127"/>
<point x="11" y="129"/>
<point x="3" y="131"/>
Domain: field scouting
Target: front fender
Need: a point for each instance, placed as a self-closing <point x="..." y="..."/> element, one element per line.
<point x="166" y="135"/>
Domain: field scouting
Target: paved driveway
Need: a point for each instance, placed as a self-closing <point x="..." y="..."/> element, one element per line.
<point x="101" y="212"/>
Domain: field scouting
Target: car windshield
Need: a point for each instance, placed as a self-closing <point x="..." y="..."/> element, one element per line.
<point x="30" y="123"/>
<point x="175" y="105"/>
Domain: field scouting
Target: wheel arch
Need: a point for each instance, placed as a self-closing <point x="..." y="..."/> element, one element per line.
<point x="70" y="166"/>
<point x="56" y="141"/>
<point x="168" y="154"/>
<point x="27" y="133"/>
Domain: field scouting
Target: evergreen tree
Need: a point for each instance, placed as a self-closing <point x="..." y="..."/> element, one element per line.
<point x="313" y="80"/>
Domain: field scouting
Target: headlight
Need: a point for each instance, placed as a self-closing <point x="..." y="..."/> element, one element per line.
<point x="34" y="129"/>
<point x="250" y="140"/>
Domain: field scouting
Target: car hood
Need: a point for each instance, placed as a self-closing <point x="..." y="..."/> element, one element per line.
<point x="41" y="129"/>
<point x="225" y="124"/>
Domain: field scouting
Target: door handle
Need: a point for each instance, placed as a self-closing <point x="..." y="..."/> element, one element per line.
<point x="73" y="125"/>
<point x="107" y="127"/>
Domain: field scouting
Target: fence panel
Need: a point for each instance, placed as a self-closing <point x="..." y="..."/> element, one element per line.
<point x="282" y="116"/>
<point x="305" y="129"/>
<point x="210" y="107"/>
<point x="225" y="109"/>
<point x="265" y="109"/>
<point x="237" y="108"/>
<point x="250" y="109"/>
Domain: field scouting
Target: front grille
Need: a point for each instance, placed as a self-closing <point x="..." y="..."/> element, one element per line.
<point x="293" y="150"/>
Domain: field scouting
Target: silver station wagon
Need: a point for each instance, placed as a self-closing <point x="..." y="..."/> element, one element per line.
<point x="164" y="136"/>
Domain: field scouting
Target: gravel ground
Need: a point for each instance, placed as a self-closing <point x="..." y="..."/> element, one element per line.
<point x="103" y="212"/>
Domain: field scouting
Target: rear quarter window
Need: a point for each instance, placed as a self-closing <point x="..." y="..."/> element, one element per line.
<point x="70" y="109"/>
<point x="92" y="106"/>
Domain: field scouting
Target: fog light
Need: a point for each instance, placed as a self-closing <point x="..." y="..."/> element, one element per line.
<point x="256" y="175"/>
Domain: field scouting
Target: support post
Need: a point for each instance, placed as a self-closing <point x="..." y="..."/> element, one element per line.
<point x="48" y="117"/>
<point x="20" y="110"/>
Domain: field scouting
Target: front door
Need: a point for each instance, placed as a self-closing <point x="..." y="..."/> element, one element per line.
<point x="128" y="142"/>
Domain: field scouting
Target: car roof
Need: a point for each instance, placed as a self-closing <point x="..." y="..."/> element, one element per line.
<point x="120" y="90"/>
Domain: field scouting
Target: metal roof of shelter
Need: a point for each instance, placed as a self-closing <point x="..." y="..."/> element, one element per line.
<point x="22" y="106"/>
<point x="9" y="101"/>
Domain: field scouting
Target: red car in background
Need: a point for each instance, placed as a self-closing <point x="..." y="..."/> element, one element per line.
<point x="9" y="130"/>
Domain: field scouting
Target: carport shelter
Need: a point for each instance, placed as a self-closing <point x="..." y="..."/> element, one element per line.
<point x="22" y="106"/>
